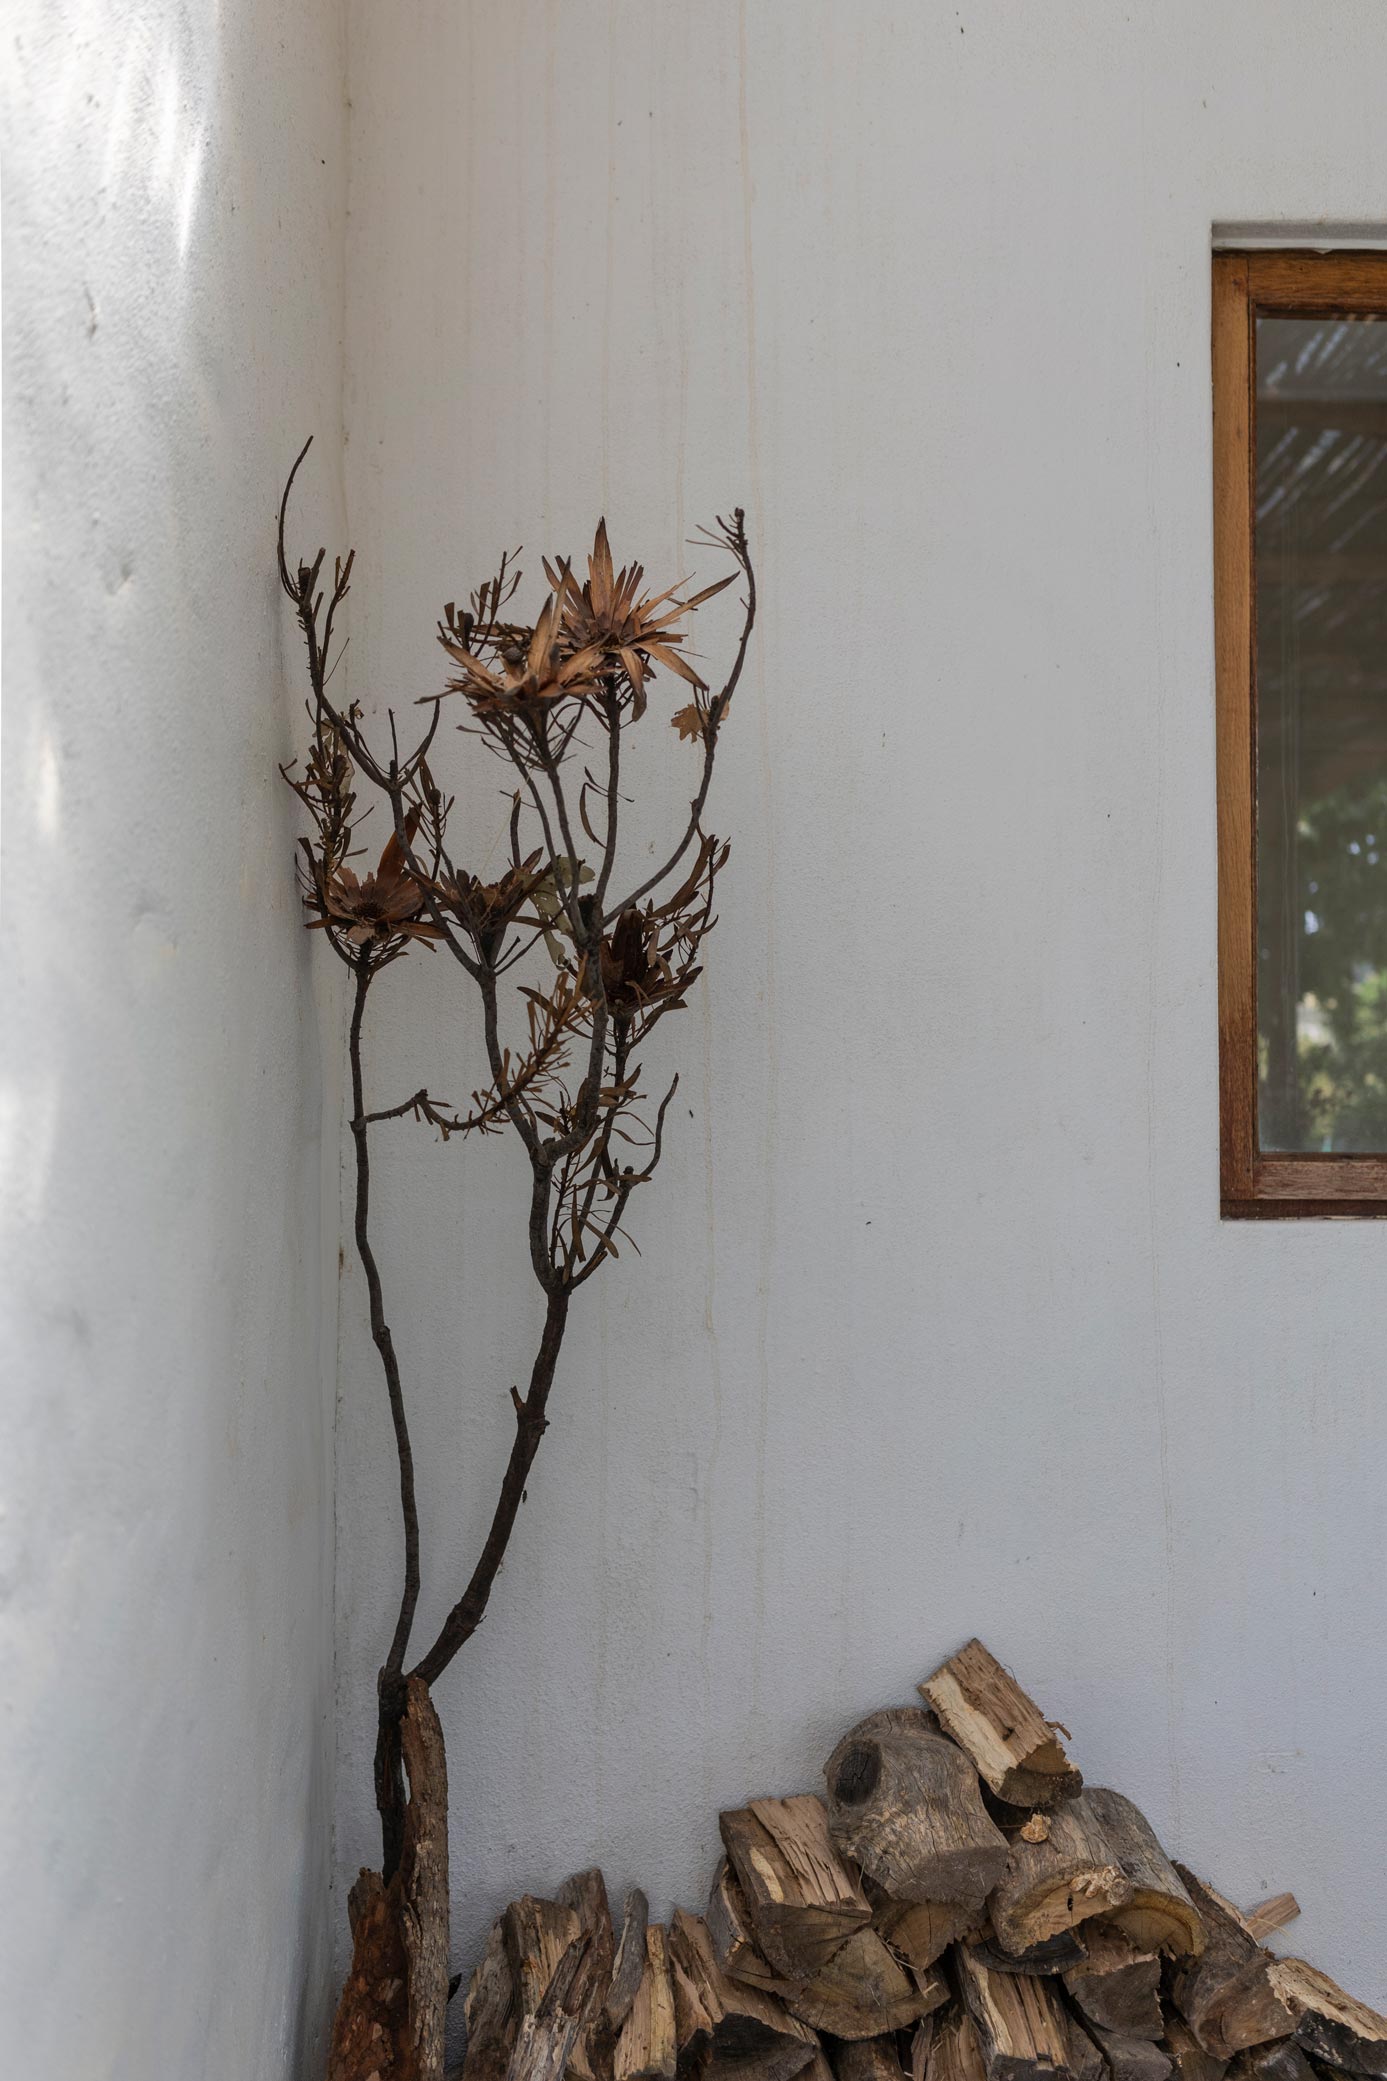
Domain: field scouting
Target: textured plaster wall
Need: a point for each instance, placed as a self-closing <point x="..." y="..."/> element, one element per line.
<point x="174" y="187"/>
<point x="936" y="1329"/>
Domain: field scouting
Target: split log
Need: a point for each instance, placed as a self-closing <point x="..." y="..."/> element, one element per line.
<point x="1086" y="2062"/>
<point x="1022" y="2030"/>
<point x="631" y="1961"/>
<point x="1329" y="2024"/>
<point x="1159" y="1914"/>
<point x="393" y="2004"/>
<point x="1270" y="1915"/>
<point x="1191" y="2061"/>
<point x="803" y="1901"/>
<point x="734" y="1940"/>
<point x="1118" y="1987"/>
<point x="1225" y="1994"/>
<point x="956" y="2054"/>
<point x="585" y="1892"/>
<point x="647" y="2048"/>
<point x="1282" y="2060"/>
<point x="1132" y="2059"/>
<point x="904" y="1804"/>
<point x="920" y="1930"/>
<point x="864" y="1991"/>
<point x="538" y="1935"/>
<point x="724" y="2024"/>
<point x="1058" y="1954"/>
<point x="490" y="2009"/>
<point x="867" y="2059"/>
<point x="548" y="2035"/>
<point x="921" y="2039"/>
<point x="1051" y="1884"/>
<point x="988" y="1714"/>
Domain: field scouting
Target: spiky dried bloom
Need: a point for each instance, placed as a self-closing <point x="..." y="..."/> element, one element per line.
<point x="589" y="973"/>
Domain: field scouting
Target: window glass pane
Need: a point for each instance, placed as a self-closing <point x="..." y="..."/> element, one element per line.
<point x="1321" y="566"/>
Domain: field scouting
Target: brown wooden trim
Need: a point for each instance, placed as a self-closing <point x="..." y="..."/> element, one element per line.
<point x="1237" y="1020"/>
<point x="1254" y="1185"/>
<point x="1354" y="283"/>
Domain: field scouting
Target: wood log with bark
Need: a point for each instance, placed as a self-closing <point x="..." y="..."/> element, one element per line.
<point x="1117" y="1987"/>
<point x="1057" y="1879"/>
<point x="1013" y="1746"/>
<point x="904" y="1804"/>
<point x="803" y="1901"/>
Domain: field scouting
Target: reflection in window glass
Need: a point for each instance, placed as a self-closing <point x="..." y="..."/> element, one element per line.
<point x="1321" y="550"/>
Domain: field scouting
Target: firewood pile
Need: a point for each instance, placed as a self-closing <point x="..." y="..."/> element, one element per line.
<point x="958" y="1907"/>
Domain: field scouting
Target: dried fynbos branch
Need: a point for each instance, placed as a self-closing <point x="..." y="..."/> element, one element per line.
<point x="581" y="974"/>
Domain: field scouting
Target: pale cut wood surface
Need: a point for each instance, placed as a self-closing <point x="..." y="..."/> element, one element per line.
<point x="647" y="2048"/>
<point x="1022" y="2029"/>
<point x="1270" y="1915"/>
<point x="955" y="2054"/>
<point x="904" y="1804"/>
<point x="802" y="1899"/>
<point x="988" y="1714"/>
<point x="1065" y="1877"/>
<point x="1329" y="2023"/>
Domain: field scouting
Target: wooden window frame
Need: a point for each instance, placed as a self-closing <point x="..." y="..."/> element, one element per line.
<point x="1351" y="284"/>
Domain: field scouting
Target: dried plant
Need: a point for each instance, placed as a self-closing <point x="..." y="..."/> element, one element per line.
<point x="579" y="973"/>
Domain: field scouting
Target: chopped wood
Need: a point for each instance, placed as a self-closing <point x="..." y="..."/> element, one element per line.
<point x="988" y="1714"/>
<point x="1050" y="1886"/>
<point x="586" y="1893"/>
<point x="1330" y="2024"/>
<point x="1086" y="2062"/>
<point x="1132" y="2059"/>
<point x="548" y="2035"/>
<point x="734" y="1940"/>
<point x="631" y="1961"/>
<point x="538" y="1935"/>
<point x="1282" y="2060"/>
<point x="1118" y="1987"/>
<point x="491" y="2012"/>
<point x="1159" y="1914"/>
<point x="921" y="1931"/>
<point x="1056" y="1955"/>
<point x="1270" y="1915"/>
<point x="867" y="2059"/>
<point x="725" y="2023"/>
<point x="864" y="1991"/>
<point x="803" y="1901"/>
<point x="921" y="2038"/>
<point x="1022" y="2030"/>
<point x="1225" y="1994"/>
<point x="647" y="2047"/>
<point x="1192" y="2062"/>
<point x="904" y="1803"/>
<point x="955" y="2053"/>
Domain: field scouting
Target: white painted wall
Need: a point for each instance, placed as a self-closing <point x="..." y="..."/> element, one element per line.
<point x="936" y="1329"/>
<point x="175" y="179"/>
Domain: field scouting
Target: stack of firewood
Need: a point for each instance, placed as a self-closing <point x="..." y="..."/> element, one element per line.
<point x="958" y="1908"/>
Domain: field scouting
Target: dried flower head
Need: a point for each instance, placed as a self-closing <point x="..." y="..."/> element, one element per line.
<point x="369" y="910"/>
<point x="609" y="616"/>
